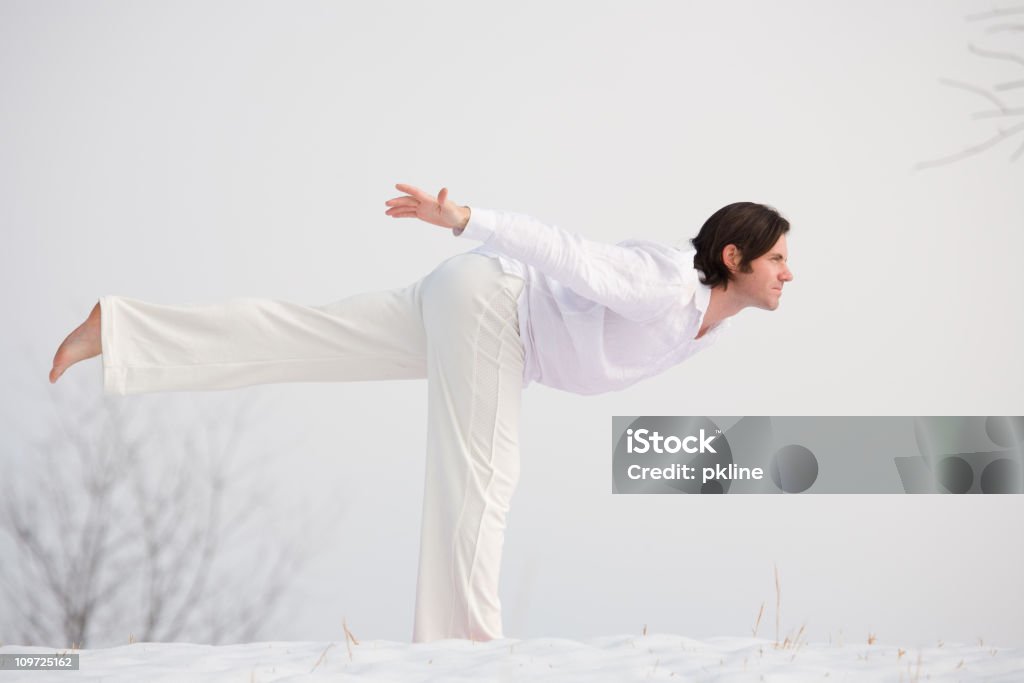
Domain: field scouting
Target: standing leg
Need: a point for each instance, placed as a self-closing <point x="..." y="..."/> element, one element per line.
<point x="246" y="341"/>
<point x="474" y="379"/>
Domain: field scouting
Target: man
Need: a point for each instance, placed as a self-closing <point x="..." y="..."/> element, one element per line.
<point x="533" y="302"/>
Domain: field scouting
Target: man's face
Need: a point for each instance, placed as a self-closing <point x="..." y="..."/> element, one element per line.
<point x="762" y="287"/>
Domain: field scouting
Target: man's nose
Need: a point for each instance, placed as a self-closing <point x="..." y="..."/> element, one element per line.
<point x="787" y="275"/>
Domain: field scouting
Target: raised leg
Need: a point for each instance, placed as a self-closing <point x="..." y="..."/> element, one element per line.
<point x="247" y="341"/>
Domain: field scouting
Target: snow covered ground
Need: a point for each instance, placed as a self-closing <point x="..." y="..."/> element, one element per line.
<point x="614" y="658"/>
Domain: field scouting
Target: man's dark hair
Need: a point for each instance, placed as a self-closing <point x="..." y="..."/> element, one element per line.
<point x="753" y="228"/>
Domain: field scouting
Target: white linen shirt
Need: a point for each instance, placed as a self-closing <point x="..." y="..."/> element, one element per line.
<point x="595" y="317"/>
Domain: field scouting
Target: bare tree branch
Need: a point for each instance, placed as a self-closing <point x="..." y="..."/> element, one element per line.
<point x="160" y="522"/>
<point x="1018" y="152"/>
<point x="994" y="114"/>
<point x="1009" y="56"/>
<point x="88" y="538"/>
<point x="995" y="13"/>
<point x="975" y="89"/>
<point x="1003" y="109"/>
<point x="1003" y="135"/>
<point x="208" y="546"/>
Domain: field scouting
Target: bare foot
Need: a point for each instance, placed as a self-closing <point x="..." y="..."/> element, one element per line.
<point x="83" y="343"/>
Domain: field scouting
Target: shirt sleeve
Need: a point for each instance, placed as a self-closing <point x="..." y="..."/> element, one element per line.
<point x="627" y="279"/>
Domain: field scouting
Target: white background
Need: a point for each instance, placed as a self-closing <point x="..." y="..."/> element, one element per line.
<point x="192" y="151"/>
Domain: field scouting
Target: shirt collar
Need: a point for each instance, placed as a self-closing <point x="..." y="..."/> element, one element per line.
<point x="701" y="299"/>
<point x="702" y="296"/>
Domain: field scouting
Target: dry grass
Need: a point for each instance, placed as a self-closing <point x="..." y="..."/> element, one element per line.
<point x="757" y="622"/>
<point x="349" y="639"/>
<point x="778" y="603"/>
<point x="795" y="642"/>
<point x="321" y="658"/>
<point x="787" y="642"/>
<point x="917" y="669"/>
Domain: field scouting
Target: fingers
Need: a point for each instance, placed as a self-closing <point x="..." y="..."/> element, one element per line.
<point x="407" y="207"/>
<point x="402" y="207"/>
<point x="415" y="192"/>
<point x="401" y="212"/>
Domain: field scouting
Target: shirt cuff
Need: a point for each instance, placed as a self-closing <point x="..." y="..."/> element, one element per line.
<point x="481" y="226"/>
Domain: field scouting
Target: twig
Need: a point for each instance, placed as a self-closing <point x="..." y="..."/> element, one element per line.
<point x="322" y="655"/>
<point x="778" y="603"/>
<point x="1003" y="135"/>
<point x="1009" y="56"/>
<point x="1009" y="85"/>
<point x="348" y="637"/>
<point x="756" y="623"/>
<point x="976" y="90"/>
<point x="995" y="13"/>
<point x="1005" y="27"/>
<point x="994" y="114"/>
<point x="1018" y="152"/>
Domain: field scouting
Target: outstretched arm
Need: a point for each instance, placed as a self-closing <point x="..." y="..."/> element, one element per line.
<point x="633" y="282"/>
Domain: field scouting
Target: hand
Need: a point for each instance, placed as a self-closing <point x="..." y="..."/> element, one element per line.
<point x="436" y="211"/>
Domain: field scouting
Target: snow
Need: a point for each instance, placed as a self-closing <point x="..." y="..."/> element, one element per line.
<point x="619" y="658"/>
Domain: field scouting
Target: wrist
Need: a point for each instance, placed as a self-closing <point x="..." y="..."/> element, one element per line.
<point x="464" y="214"/>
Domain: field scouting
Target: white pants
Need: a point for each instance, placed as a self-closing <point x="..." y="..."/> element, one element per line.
<point x="457" y="327"/>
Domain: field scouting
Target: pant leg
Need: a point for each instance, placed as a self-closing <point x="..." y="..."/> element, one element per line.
<point x="474" y="384"/>
<point x="247" y="341"/>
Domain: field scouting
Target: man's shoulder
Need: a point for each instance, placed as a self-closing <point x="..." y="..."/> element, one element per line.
<point x="682" y="258"/>
<point x="658" y="247"/>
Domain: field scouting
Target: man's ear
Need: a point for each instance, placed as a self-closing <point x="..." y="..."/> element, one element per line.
<point x="731" y="257"/>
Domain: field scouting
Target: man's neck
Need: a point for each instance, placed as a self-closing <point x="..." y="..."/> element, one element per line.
<point x="720" y="307"/>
